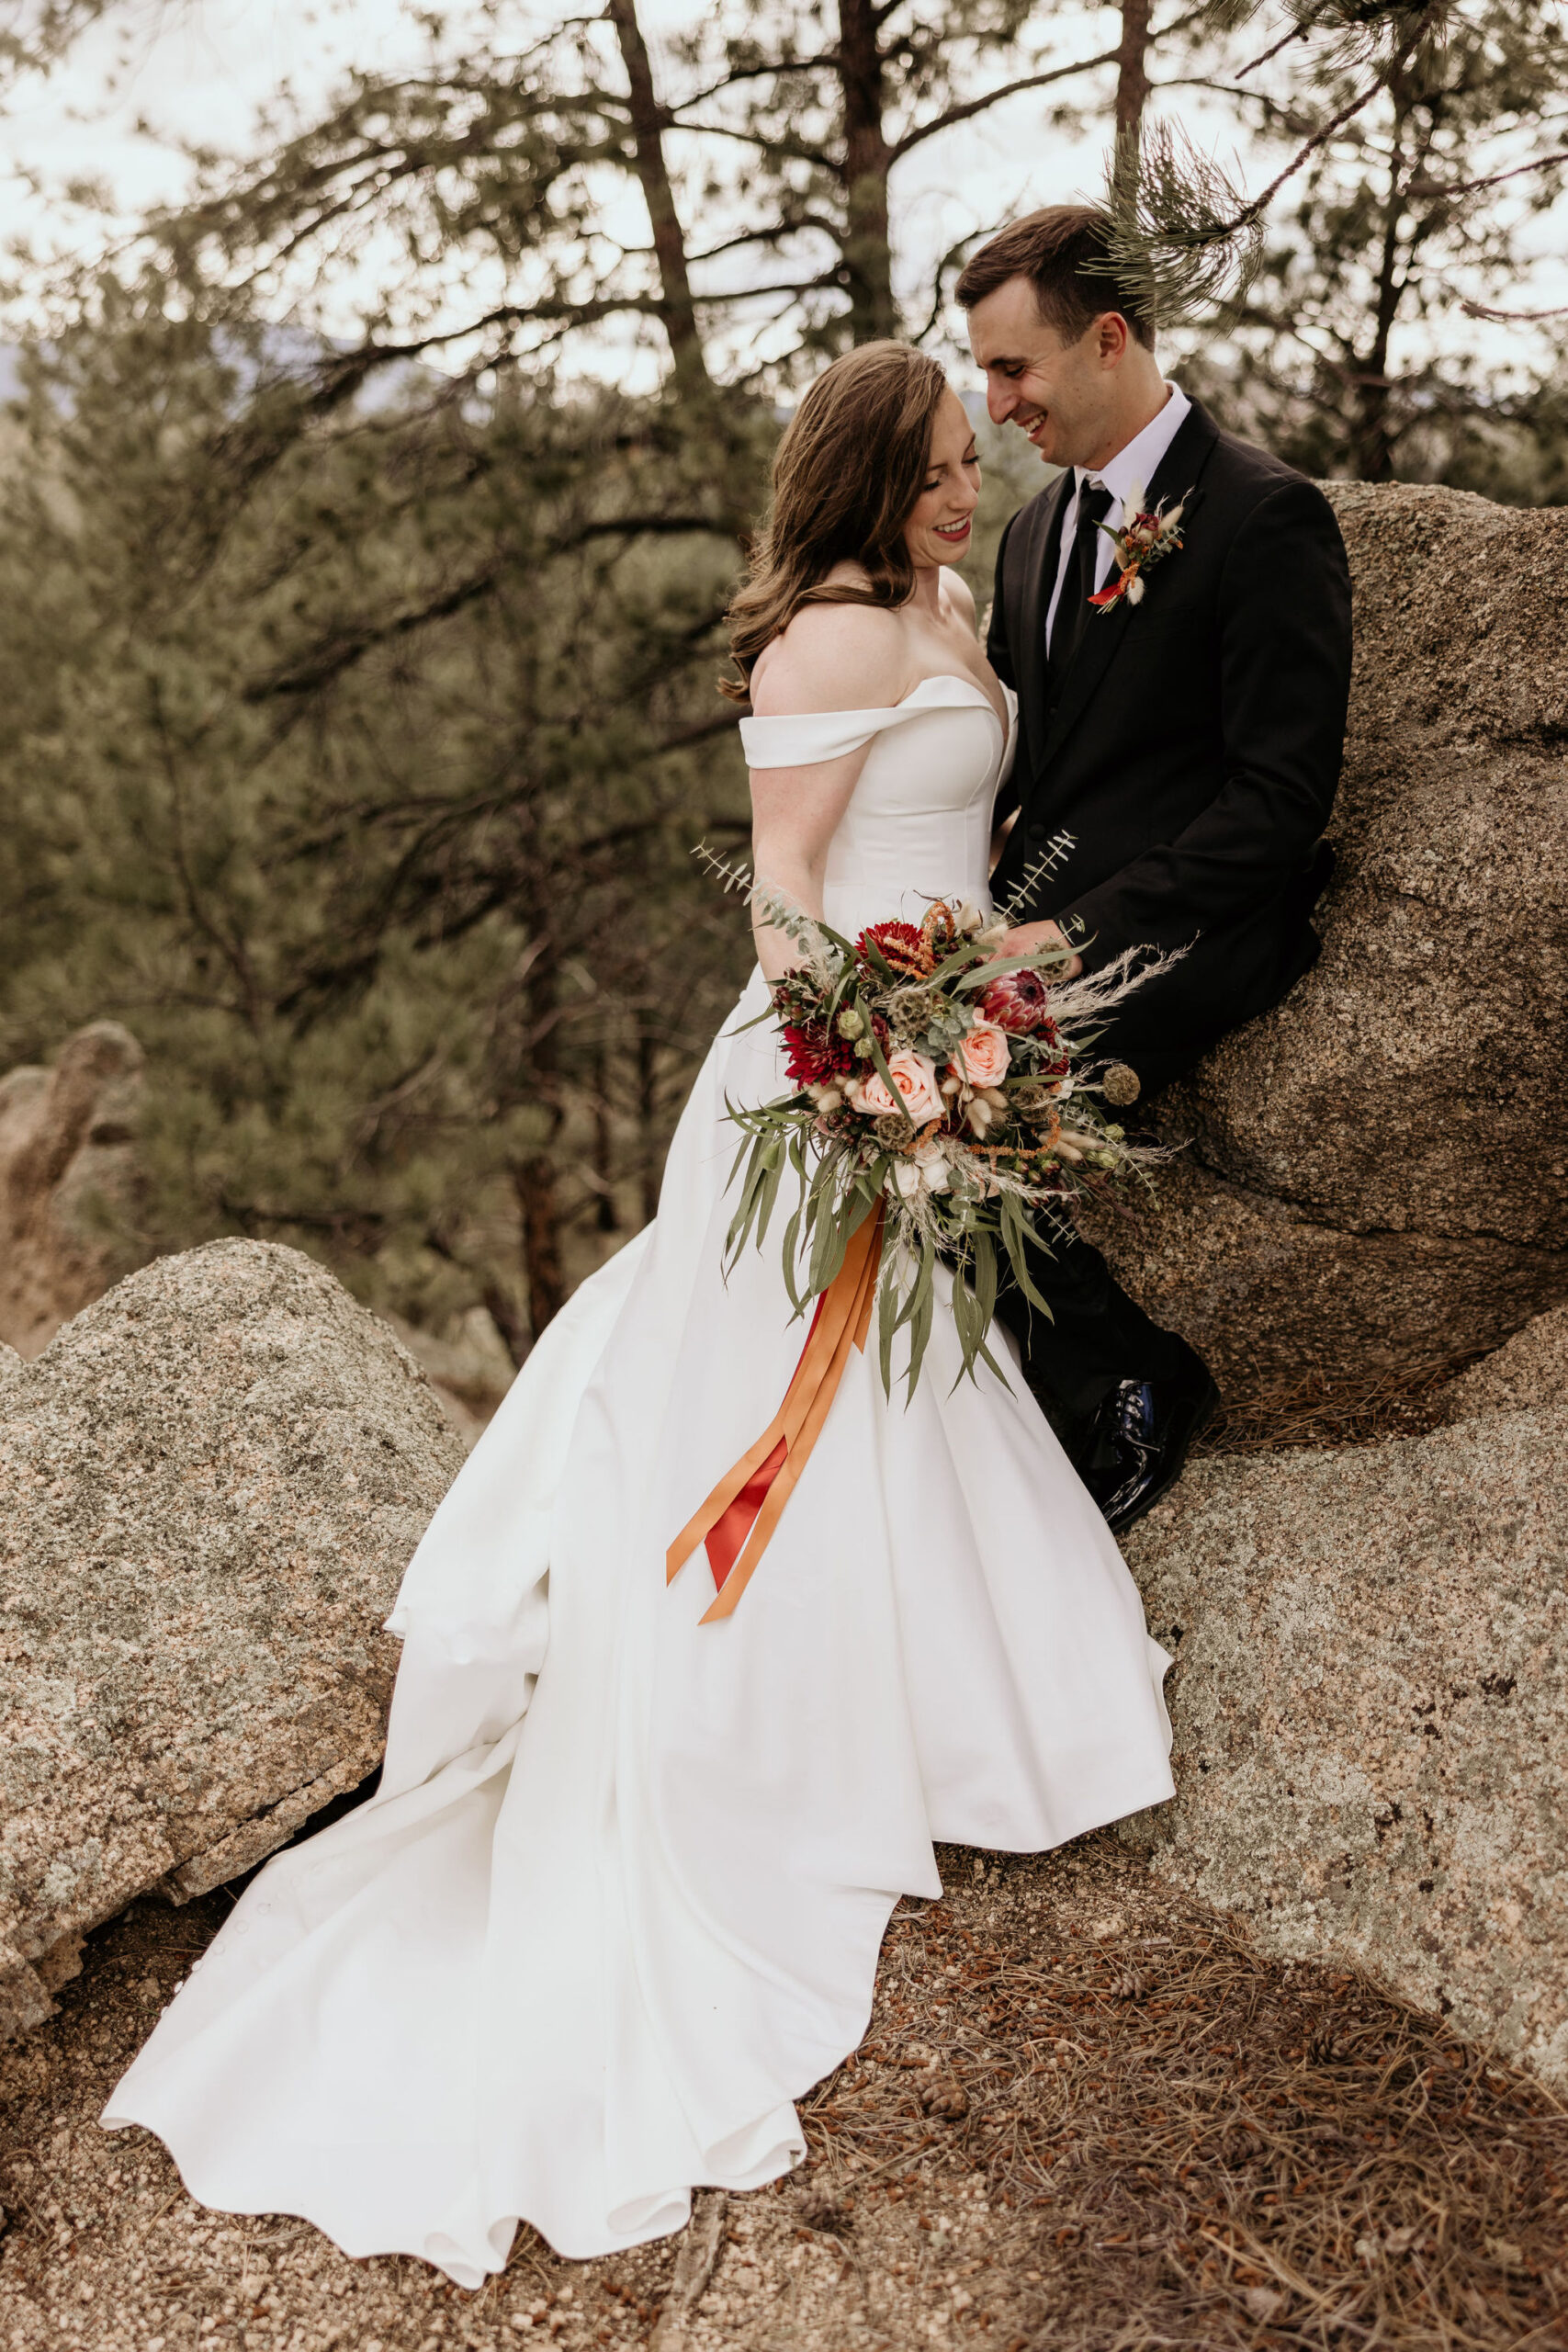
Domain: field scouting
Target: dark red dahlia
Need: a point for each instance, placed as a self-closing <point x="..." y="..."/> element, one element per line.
<point x="813" y="1055"/>
<point x="898" y="943"/>
<point x="1018" y="1002"/>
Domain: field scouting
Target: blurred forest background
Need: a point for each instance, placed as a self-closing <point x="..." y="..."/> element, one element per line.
<point x="357" y="708"/>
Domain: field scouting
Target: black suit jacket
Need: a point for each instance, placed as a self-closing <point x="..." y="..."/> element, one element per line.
<point x="1193" y="745"/>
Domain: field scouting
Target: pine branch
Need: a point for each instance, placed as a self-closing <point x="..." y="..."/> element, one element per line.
<point x="765" y="69"/>
<point x="331" y="661"/>
<point x="969" y="107"/>
<point x="1439" y="192"/>
<point x="1512" y="318"/>
<point x="1185" y="241"/>
<point x="765" y="143"/>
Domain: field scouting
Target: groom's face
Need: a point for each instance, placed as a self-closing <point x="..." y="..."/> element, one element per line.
<point x="1057" y="392"/>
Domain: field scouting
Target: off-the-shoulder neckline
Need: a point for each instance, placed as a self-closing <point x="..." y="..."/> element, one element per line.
<point x="881" y="709"/>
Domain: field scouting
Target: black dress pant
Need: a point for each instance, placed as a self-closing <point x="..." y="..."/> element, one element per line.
<point x="1095" y="1336"/>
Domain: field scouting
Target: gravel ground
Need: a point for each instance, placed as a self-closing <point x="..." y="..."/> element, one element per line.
<point x="1085" y="2116"/>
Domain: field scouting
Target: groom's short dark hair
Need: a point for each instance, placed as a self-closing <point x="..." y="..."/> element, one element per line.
<point x="1054" y="249"/>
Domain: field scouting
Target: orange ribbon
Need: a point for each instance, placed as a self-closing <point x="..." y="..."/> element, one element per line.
<point x="744" y="1508"/>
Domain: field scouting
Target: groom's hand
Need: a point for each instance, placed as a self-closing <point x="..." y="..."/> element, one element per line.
<point x="1033" y="938"/>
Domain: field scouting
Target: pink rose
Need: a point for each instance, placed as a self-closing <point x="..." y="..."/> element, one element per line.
<point x="914" y="1079"/>
<point x="983" y="1055"/>
<point x="869" y="1096"/>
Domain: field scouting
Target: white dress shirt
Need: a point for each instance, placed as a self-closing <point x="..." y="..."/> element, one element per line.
<point x="1131" y="469"/>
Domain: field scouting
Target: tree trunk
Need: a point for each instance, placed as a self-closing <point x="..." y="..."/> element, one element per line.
<point x="536" y="1080"/>
<point x="538" y="1200"/>
<point x="507" y="1322"/>
<point x="677" y="309"/>
<point x="868" y="259"/>
<point x="1371" y="446"/>
<point x="1131" y="78"/>
<point x="1371" y="443"/>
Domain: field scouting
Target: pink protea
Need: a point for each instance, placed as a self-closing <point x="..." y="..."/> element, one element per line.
<point x="1019" y="1001"/>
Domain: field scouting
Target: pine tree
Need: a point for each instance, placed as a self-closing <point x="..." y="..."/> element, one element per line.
<point x="356" y="763"/>
<point x="1353" y="351"/>
<point x="766" y="163"/>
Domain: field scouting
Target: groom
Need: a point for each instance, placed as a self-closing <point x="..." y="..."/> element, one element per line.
<point x="1189" y="742"/>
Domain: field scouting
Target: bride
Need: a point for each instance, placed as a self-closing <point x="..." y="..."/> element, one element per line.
<point x="618" y="1899"/>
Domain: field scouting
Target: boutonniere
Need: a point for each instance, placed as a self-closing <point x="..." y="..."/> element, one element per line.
<point x="1144" y="538"/>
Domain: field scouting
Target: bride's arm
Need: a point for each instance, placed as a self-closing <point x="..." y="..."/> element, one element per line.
<point x="795" y="814"/>
<point x="832" y="657"/>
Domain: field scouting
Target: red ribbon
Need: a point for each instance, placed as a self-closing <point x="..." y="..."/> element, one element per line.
<point x="737" y="1521"/>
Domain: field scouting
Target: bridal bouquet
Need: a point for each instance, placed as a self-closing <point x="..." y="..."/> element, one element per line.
<point x="942" y="1092"/>
<point x="943" y="1105"/>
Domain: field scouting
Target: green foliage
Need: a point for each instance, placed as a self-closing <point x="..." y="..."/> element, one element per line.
<point x="529" y="188"/>
<point x="1349" y="350"/>
<point x="355" y="762"/>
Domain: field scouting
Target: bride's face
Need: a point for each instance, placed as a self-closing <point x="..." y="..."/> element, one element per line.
<point x="938" y="530"/>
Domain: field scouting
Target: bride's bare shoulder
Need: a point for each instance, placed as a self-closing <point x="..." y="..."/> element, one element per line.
<point x="832" y="657"/>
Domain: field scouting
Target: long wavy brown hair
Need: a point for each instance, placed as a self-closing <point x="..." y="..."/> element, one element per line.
<point x="847" y="476"/>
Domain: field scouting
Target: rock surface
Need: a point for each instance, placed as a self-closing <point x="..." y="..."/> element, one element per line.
<point x="209" y="1485"/>
<point x="1530" y="1374"/>
<point x="1371" y="1702"/>
<point x="67" y="1181"/>
<point x="1376" y="1172"/>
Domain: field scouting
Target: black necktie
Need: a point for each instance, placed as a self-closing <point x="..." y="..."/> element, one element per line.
<point x="1078" y="582"/>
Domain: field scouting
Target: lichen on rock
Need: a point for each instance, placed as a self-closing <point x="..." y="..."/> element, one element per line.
<point x="1371" y="1702"/>
<point x="210" y="1483"/>
<point x="68" y="1182"/>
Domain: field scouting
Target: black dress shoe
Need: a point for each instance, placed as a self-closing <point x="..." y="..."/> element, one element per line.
<point x="1141" y="1438"/>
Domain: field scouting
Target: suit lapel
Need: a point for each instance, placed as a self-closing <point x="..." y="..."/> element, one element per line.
<point x="1182" y="464"/>
<point x="1177" y="471"/>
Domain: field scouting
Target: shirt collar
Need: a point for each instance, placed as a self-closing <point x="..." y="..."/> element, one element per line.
<point x="1134" y="466"/>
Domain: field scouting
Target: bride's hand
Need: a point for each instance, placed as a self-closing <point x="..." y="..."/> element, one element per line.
<point x="1033" y="938"/>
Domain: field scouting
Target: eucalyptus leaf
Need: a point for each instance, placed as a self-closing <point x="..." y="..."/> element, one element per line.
<point x="921" y="1304"/>
<point x="769" y="1194"/>
<point x="1014" y="1235"/>
<point x="887" y="1325"/>
<point x="997" y="968"/>
<point x="985" y="1276"/>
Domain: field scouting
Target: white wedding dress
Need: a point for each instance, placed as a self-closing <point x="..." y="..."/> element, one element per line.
<point x="618" y="1900"/>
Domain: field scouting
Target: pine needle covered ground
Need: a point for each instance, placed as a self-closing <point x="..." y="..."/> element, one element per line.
<point x="1084" y="2115"/>
<point x="1314" y="1409"/>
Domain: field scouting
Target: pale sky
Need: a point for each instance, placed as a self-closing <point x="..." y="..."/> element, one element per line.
<point x="201" y="70"/>
<point x="196" y="70"/>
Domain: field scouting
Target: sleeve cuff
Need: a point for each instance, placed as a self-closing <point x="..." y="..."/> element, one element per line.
<point x="1086" y="924"/>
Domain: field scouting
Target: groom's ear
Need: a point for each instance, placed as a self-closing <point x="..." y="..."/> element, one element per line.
<point x="1112" y="335"/>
